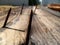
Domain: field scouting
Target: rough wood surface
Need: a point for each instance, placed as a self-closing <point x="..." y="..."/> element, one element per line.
<point x="3" y="14"/>
<point x="45" y="28"/>
<point x="20" y="22"/>
<point x="4" y="11"/>
<point x="11" y="37"/>
<point x="13" y="14"/>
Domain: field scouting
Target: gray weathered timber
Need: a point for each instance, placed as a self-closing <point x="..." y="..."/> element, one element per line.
<point x="45" y="29"/>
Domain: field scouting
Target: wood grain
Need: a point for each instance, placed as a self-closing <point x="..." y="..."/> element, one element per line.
<point x="20" y="22"/>
<point x="45" y="28"/>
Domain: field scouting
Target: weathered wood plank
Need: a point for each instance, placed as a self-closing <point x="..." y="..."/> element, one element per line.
<point x="50" y="40"/>
<point x="40" y="30"/>
<point x="47" y="26"/>
<point x="36" y="34"/>
<point x="20" y="22"/>
<point x="11" y="37"/>
<point x="15" y="37"/>
<point x="26" y="10"/>
<point x="3" y="14"/>
<point x="14" y="13"/>
<point x="51" y="25"/>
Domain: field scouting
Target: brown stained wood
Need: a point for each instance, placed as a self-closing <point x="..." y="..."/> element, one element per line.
<point x="54" y="6"/>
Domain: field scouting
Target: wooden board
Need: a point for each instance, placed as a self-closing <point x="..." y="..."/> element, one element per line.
<point x="13" y="14"/>
<point x="56" y="13"/>
<point x="20" y="20"/>
<point x="45" y="29"/>
<point x="26" y="10"/>
<point x="3" y="14"/>
<point x="10" y="36"/>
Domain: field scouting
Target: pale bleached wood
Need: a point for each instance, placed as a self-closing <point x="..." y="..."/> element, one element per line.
<point x="26" y="10"/>
<point x="14" y="13"/>
<point x="15" y="37"/>
<point x="3" y="14"/>
<point x="20" y="22"/>
<point x="11" y="37"/>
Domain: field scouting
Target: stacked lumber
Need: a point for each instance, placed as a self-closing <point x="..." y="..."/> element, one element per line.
<point x="45" y="29"/>
<point x="16" y="32"/>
